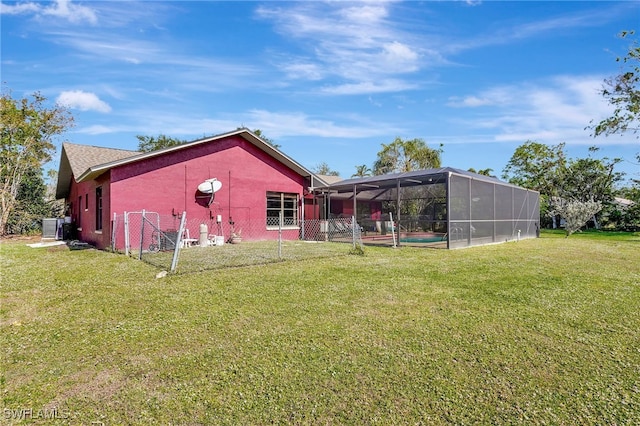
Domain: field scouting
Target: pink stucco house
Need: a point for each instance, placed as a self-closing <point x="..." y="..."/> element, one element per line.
<point x="259" y="183"/>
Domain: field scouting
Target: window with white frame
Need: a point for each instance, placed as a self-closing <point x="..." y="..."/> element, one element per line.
<point x="282" y="203"/>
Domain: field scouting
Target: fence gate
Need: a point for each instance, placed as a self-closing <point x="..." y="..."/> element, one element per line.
<point x="133" y="227"/>
<point x="154" y="240"/>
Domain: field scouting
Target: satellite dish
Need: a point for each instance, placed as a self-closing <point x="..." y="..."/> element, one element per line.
<point x="210" y="186"/>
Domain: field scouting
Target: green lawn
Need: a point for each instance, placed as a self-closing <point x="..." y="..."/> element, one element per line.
<point x="542" y="331"/>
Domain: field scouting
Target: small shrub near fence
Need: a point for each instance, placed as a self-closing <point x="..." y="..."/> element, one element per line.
<point x="179" y="244"/>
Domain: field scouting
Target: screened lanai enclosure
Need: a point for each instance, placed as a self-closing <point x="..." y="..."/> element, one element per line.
<point x="440" y="208"/>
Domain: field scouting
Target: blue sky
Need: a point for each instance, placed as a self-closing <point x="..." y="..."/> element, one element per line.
<point x="328" y="81"/>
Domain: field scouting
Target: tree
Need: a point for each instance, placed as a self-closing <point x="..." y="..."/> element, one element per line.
<point x="151" y="143"/>
<point x="324" y="169"/>
<point x="406" y="155"/>
<point x="536" y="166"/>
<point x="31" y="205"/>
<point x="484" y="172"/>
<point x="362" y="171"/>
<point x="55" y="207"/>
<point x="627" y="216"/>
<point x="590" y="178"/>
<point x="558" y="179"/>
<point x="27" y="131"/>
<point x="575" y="213"/>
<point x="539" y="167"/>
<point x="623" y="93"/>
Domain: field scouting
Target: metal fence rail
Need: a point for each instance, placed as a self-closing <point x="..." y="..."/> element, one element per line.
<point x="180" y="244"/>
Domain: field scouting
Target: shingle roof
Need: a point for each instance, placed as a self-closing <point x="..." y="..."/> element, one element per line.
<point x="76" y="159"/>
<point x="88" y="162"/>
<point x="330" y="179"/>
<point x="81" y="157"/>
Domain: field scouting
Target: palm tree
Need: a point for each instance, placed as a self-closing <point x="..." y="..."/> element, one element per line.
<point x="484" y="172"/>
<point x="362" y="171"/>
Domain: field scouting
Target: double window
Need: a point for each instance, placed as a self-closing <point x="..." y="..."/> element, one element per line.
<point x="282" y="203"/>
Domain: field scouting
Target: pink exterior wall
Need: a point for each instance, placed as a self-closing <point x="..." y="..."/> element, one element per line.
<point x="82" y="201"/>
<point x="168" y="184"/>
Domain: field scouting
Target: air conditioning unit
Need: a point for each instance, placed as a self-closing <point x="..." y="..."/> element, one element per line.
<point x="50" y="228"/>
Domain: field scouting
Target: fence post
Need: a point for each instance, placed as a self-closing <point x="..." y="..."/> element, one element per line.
<point x="144" y="219"/>
<point x="280" y="236"/>
<point x="126" y="234"/>
<point x="353" y="229"/>
<point x="113" y="232"/>
<point x="393" y="230"/>
<point x="176" y="250"/>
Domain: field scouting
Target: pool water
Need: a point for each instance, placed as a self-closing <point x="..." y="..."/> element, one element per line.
<point x="421" y="239"/>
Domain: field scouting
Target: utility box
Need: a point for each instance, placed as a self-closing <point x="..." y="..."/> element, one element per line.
<point x="49" y="228"/>
<point x="68" y="231"/>
<point x="168" y="239"/>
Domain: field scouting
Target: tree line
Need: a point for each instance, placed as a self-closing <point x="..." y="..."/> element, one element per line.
<point x="574" y="189"/>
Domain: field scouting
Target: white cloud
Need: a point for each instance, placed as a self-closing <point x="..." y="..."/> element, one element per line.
<point x="84" y="101"/>
<point x="550" y="111"/>
<point x="359" y="44"/>
<point x="64" y="9"/>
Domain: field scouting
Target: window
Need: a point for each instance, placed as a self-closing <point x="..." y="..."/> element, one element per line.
<point x="99" y="208"/>
<point x="79" y="212"/>
<point x="86" y="202"/>
<point x="281" y="202"/>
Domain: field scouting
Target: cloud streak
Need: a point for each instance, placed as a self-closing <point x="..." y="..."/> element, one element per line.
<point x="276" y="124"/>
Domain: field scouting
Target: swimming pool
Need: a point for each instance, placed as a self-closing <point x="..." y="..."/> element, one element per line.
<point x="422" y="239"/>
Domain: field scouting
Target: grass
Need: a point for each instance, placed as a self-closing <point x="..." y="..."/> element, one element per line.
<point x="198" y="259"/>
<point x="541" y="331"/>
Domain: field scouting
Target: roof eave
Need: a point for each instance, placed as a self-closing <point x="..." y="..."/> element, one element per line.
<point x="64" y="176"/>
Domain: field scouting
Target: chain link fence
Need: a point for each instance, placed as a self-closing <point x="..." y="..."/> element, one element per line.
<point x="181" y="244"/>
